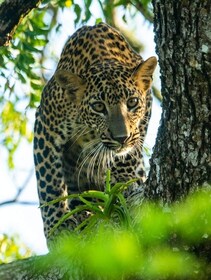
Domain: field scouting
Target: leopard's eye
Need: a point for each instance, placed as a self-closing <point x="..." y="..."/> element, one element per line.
<point x="132" y="102"/>
<point x="98" y="107"/>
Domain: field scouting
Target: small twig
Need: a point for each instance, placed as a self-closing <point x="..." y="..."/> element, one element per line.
<point x="8" y="202"/>
<point x="19" y="191"/>
<point x="145" y="12"/>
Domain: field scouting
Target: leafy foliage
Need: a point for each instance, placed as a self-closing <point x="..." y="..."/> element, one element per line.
<point x="20" y="81"/>
<point x="149" y="241"/>
<point x="12" y="249"/>
<point x="104" y="206"/>
<point x="159" y="244"/>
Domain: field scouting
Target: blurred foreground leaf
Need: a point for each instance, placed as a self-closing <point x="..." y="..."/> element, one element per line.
<point x="161" y="243"/>
<point x="11" y="249"/>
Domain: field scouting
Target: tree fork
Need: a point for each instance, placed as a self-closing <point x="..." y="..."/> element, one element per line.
<point x="181" y="158"/>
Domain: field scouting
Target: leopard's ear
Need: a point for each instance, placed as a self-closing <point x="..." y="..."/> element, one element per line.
<point x="143" y="73"/>
<point x="72" y="83"/>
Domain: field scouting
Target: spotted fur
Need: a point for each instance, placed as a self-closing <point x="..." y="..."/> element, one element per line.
<point x="93" y="115"/>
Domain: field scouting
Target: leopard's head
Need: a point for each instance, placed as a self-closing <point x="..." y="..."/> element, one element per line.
<point x="111" y="101"/>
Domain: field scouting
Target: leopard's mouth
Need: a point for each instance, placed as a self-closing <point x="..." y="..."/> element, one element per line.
<point x="123" y="150"/>
<point x="117" y="148"/>
<point x="120" y="149"/>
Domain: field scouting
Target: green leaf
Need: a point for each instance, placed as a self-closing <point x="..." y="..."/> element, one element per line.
<point x="67" y="216"/>
<point x="77" y="10"/>
<point x="90" y="205"/>
<point x="95" y="194"/>
<point x="98" y="20"/>
<point x="63" y="198"/>
<point x="36" y="86"/>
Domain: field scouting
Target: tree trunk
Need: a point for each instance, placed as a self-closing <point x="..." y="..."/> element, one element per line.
<point x="181" y="158"/>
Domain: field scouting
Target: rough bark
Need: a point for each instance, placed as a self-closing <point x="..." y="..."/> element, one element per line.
<point x="35" y="268"/>
<point x="181" y="159"/>
<point x="11" y="13"/>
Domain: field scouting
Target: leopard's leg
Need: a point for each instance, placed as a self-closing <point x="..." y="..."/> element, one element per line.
<point x="50" y="179"/>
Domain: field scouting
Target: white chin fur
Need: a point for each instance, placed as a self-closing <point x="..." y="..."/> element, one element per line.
<point x="123" y="151"/>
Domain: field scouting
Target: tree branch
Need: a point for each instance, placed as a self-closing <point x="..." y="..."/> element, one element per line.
<point x="143" y="10"/>
<point x="11" y="14"/>
<point x="32" y="268"/>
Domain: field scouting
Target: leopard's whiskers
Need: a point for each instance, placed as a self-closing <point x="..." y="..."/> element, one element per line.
<point x="85" y="159"/>
<point x="87" y="147"/>
<point x="77" y="134"/>
<point x="92" y="163"/>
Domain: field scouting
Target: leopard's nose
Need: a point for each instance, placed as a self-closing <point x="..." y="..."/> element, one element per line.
<point x="121" y="139"/>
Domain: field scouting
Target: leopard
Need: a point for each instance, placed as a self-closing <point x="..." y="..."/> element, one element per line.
<point x="93" y="116"/>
